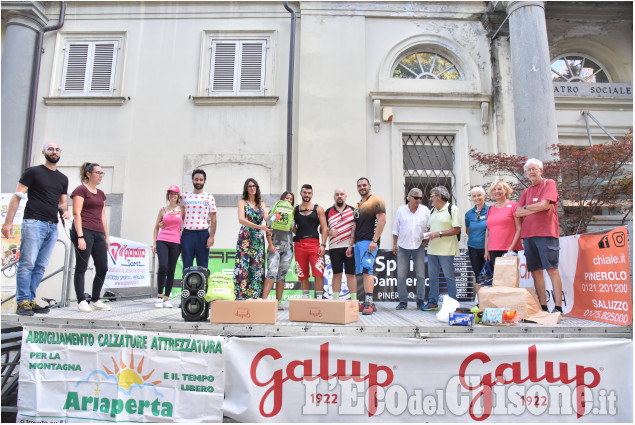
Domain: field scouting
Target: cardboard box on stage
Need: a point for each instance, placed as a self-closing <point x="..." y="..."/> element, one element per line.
<point x="244" y="311"/>
<point x="324" y="311"/>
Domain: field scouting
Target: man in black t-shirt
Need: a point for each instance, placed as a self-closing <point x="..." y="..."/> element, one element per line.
<point x="47" y="189"/>
<point x="370" y="219"/>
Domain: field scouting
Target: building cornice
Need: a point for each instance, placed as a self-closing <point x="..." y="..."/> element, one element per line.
<point x="29" y="14"/>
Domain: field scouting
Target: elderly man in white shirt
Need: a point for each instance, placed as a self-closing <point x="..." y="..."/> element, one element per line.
<point x="411" y="222"/>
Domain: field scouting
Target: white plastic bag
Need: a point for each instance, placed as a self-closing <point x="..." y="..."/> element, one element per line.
<point x="449" y="306"/>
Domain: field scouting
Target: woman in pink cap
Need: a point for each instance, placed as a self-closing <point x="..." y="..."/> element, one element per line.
<point x="167" y="243"/>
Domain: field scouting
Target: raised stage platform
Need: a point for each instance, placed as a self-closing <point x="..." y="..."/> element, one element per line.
<point x="140" y="314"/>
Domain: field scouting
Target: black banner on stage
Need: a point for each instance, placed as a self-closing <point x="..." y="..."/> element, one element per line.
<point x="385" y="273"/>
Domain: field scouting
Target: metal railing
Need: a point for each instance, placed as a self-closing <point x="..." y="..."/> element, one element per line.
<point x="64" y="268"/>
<point x="67" y="280"/>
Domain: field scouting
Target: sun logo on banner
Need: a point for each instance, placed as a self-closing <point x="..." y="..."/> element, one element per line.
<point x="127" y="375"/>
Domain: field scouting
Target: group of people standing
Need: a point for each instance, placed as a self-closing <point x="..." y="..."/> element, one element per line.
<point x="416" y="229"/>
<point x="498" y="229"/>
<point x="492" y="232"/>
<point x="354" y="237"/>
<point x="186" y="226"/>
<point x="47" y="188"/>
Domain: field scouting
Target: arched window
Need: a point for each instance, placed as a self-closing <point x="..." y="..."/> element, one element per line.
<point x="426" y="66"/>
<point x="576" y="68"/>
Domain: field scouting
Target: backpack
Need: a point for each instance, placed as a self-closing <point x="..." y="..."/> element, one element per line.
<point x="282" y="216"/>
<point x="220" y="287"/>
<point x="458" y="236"/>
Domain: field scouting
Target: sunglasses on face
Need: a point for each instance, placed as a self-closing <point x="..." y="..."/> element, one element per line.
<point x="418" y="198"/>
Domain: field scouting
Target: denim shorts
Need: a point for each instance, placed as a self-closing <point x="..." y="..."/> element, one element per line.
<point x="542" y="252"/>
<point x="364" y="260"/>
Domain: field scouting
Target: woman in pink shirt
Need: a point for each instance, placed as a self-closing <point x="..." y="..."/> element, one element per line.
<point x="503" y="227"/>
<point x="167" y="244"/>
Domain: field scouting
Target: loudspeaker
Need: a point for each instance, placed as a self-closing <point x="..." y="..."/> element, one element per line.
<point x="193" y="304"/>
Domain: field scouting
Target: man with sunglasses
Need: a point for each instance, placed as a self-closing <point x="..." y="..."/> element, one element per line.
<point x="370" y="219"/>
<point x="47" y="188"/>
<point x="411" y="221"/>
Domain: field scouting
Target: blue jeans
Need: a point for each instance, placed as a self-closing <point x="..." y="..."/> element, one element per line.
<point x="404" y="256"/>
<point x="36" y="246"/>
<point x="194" y="245"/>
<point x="436" y="263"/>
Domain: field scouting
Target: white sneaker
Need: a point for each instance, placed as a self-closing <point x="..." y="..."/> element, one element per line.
<point x="158" y="304"/>
<point x="84" y="307"/>
<point x="166" y="304"/>
<point x="98" y="305"/>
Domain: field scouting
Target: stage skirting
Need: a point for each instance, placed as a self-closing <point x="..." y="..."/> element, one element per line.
<point x="80" y="375"/>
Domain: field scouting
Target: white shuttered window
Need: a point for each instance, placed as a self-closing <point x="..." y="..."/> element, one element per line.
<point x="237" y="68"/>
<point x="89" y="68"/>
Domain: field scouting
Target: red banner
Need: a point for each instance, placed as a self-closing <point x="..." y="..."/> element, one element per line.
<point x="602" y="286"/>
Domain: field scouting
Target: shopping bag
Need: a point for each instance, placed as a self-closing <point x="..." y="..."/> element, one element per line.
<point x="523" y="300"/>
<point x="220" y="287"/>
<point x="506" y="272"/>
<point x="449" y="306"/>
<point x="485" y="276"/>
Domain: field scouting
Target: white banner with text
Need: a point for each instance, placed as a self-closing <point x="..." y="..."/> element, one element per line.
<point x="79" y="375"/>
<point x="340" y="379"/>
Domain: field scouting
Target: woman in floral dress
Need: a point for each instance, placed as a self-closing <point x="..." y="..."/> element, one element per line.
<point x="249" y="270"/>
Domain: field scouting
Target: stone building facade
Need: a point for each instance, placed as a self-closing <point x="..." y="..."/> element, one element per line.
<point x="397" y="92"/>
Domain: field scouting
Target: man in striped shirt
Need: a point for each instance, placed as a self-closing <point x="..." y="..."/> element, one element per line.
<point x="340" y="224"/>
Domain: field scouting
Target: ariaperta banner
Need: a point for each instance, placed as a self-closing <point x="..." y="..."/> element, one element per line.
<point x="339" y="379"/>
<point x="79" y="375"/>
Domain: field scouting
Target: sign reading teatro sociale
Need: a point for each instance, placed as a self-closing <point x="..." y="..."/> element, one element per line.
<point x="606" y="90"/>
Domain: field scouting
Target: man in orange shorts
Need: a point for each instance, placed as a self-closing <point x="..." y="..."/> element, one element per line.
<point x="309" y="252"/>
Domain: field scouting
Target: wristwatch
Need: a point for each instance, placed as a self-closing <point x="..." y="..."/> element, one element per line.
<point x="440" y="234"/>
<point x="375" y="240"/>
<point x="323" y="244"/>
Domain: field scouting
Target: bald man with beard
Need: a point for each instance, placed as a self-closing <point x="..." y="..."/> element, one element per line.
<point x="340" y="219"/>
<point x="47" y="188"/>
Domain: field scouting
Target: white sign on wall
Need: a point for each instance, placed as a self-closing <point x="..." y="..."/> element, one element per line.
<point x="605" y="90"/>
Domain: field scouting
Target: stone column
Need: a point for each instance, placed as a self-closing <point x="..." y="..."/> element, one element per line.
<point x="534" y="106"/>
<point x="24" y="20"/>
